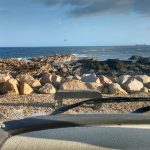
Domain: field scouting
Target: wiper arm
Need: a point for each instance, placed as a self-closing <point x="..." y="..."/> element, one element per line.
<point x="100" y="101"/>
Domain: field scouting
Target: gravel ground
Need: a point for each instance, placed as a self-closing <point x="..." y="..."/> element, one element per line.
<point x="17" y="106"/>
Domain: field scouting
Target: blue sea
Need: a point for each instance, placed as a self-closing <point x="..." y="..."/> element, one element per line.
<point x="99" y="52"/>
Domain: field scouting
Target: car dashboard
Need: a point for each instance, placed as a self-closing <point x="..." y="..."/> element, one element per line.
<point x="82" y="132"/>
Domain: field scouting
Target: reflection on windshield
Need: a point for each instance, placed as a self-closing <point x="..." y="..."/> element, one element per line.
<point x="55" y="54"/>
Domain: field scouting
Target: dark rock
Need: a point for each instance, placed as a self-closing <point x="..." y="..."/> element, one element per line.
<point x="135" y="58"/>
<point x="143" y="60"/>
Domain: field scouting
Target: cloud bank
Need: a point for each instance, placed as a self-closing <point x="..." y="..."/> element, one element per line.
<point x="80" y="8"/>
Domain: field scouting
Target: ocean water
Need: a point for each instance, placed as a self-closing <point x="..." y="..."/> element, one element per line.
<point x="99" y="52"/>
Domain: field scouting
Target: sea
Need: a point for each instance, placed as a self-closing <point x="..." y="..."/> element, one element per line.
<point x="98" y="52"/>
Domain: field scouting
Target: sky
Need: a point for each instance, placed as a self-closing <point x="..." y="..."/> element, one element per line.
<point x="74" y="22"/>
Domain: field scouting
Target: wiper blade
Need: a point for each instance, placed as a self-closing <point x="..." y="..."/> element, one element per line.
<point x="100" y="101"/>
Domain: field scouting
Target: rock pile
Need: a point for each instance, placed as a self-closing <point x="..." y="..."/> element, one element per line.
<point x="49" y="83"/>
<point x="46" y="75"/>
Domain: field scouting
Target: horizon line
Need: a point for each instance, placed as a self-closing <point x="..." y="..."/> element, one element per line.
<point x="75" y="46"/>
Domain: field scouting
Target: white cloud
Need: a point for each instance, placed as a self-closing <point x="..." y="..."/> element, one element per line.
<point x="100" y="7"/>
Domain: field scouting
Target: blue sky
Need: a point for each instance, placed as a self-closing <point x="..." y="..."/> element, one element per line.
<point x="74" y="22"/>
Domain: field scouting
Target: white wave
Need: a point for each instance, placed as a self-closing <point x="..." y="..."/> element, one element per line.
<point x="23" y="59"/>
<point x="74" y="54"/>
<point x="81" y="55"/>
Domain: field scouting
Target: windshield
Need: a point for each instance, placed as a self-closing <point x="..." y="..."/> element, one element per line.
<point x="55" y="53"/>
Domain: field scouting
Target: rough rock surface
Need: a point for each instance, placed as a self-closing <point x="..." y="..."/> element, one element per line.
<point x="122" y="79"/>
<point x="46" y="68"/>
<point x="104" y="80"/>
<point x="143" y="78"/>
<point x="145" y="90"/>
<point x="47" y="89"/>
<point x="10" y="87"/>
<point x="133" y="85"/>
<point x="27" y="78"/>
<point x="36" y="83"/>
<point x="90" y="78"/>
<point x="25" y="88"/>
<point x="94" y="86"/>
<point x="46" y="78"/>
<point x="4" y="78"/>
<point x="115" y="88"/>
<point x="73" y="85"/>
<point x="56" y="81"/>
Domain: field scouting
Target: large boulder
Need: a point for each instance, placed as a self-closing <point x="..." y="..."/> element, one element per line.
<point x="79" y="85"/>
<point x="36" y="83"/>
<point x="10" y="87"/>
<point x="90" y="78"/>
<point x="46" y="78"/>
<point x="143" y="78"/>
<point x="94" y="86"/>
<point x="27" y="78"/>
<point x="47" y="89"/>
<point x="122" y="79"/>
<point x="73" y="85"/>
<point x="115" y="88"/>
<point x="56" y="80"/>
<point x="133" y="85"/>
<point x="25" y="88"/>
<point x="104" y="80"/>
<point x="4" y="78"/>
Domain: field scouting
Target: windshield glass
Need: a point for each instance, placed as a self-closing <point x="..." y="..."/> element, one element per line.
<point x="55" y="53"/>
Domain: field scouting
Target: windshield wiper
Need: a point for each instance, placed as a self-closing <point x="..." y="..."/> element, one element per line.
<point x="100" y="101"/>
